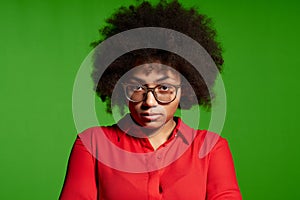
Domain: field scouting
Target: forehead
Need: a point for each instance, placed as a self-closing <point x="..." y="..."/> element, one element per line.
<point x="153" y="72"/>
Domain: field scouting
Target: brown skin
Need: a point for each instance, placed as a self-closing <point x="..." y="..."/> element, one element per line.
<point x="156" y="118"/>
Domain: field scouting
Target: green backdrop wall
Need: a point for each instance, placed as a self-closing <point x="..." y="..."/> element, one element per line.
<point x="44" y="42"/>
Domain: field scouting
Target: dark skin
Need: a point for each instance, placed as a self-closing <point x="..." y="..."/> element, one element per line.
<point x="155" y="118"/>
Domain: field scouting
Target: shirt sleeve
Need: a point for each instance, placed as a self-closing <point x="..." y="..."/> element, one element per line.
<point x="80" y="181"/>
<point x="221" y="182"/>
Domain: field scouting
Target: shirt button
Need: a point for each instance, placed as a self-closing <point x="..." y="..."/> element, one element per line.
<point x="159" y="157"/>
<point x="160" y="189"/>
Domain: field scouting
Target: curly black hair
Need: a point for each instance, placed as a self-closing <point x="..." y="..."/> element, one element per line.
<point x="170" y="15"/>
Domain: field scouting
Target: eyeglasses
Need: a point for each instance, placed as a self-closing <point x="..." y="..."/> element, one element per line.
<point x="163" y="93"/>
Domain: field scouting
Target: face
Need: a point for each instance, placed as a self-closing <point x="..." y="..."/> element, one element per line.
<point x="150" y="113"/>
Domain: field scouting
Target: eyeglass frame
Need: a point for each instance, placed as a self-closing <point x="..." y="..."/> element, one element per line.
<point x="151" y="89"/>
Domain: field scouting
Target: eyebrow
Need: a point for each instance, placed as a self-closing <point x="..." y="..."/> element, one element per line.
<point x="158" y="80"/>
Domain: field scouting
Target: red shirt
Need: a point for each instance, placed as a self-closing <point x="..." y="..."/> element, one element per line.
<point x="108" y="163"/>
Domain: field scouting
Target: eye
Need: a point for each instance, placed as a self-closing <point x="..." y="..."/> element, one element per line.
<point x="135" y="88"/>
<point x="138" y="87"/>
<point x="164" y="87"/>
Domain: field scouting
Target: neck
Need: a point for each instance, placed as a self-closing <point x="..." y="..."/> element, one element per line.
<point x="159" y="136"/>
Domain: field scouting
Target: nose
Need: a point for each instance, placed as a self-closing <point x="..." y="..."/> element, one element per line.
<point x="150" y="100"/>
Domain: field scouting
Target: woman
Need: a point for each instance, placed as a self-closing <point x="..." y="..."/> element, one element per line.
<point x="150" y="153"/>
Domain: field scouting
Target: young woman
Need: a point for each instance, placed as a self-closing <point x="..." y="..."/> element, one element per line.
<point x="149" y="153"/>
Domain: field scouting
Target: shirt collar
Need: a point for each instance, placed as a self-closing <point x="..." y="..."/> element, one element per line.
<point x="127" y="125"/>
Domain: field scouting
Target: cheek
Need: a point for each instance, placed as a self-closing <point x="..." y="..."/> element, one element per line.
<point x="176" y="102"/>
<point x="133" y="108"/>
<point x="130" y="106"/>
<point x="171" y="109"/>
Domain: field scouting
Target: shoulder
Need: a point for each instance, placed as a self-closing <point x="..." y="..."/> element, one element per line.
<point x="91" y="137"/>
<point x="95" y="130"/>
<point x="210" y="142"/>
<point x="206" y="141"/>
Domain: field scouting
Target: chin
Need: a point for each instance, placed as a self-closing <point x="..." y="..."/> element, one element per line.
<point x="152" y="125"/>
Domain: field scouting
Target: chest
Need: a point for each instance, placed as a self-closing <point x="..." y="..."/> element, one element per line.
<point x="183" y="178"/>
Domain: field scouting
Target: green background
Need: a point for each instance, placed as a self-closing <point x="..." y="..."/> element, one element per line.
<point x="44" y="42"/>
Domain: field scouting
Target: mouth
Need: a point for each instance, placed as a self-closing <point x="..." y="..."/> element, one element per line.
<point x="150" y="116"/>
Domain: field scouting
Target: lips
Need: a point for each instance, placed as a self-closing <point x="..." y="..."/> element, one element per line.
<point x="150" y="116"/>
